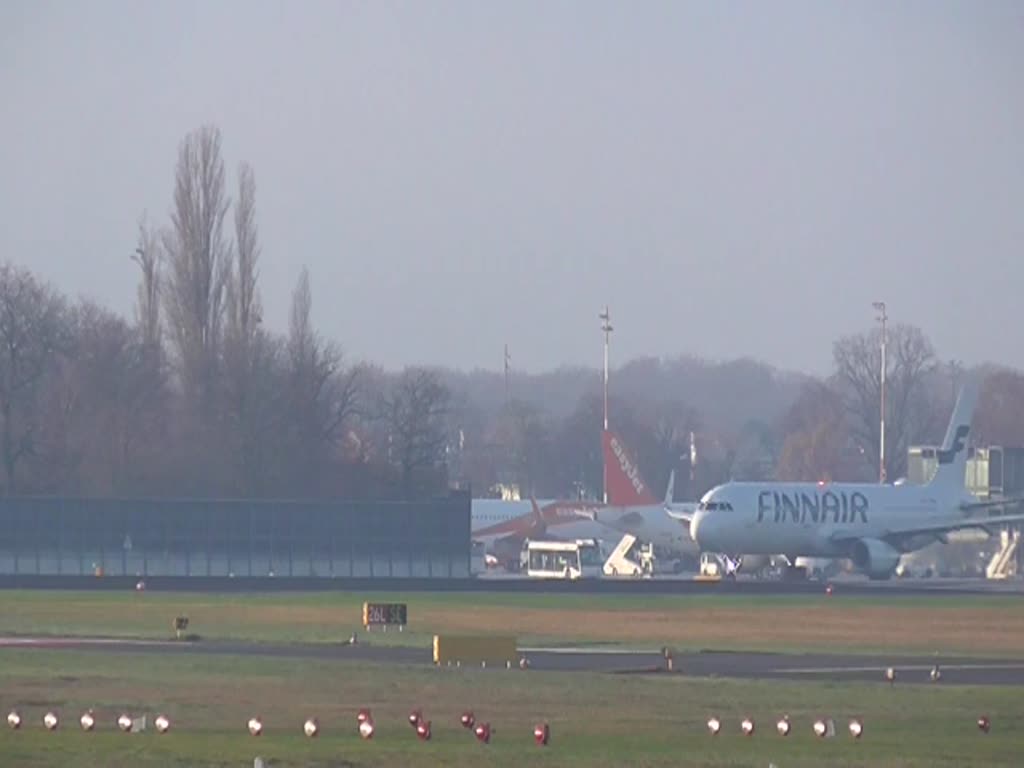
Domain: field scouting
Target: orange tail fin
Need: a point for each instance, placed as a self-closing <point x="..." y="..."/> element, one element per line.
<point x="625" y="485"/>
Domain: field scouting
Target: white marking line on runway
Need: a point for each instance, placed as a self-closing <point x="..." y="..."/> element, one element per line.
<point x="13" y="642"/>
<point x="596" y="651"/>
<point x="911" y="668"/>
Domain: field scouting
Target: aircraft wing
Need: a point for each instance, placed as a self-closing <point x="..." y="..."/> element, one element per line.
<point x="969" y="505"/>
<point x="682" y="513"/>
<point x="984" y="523"/>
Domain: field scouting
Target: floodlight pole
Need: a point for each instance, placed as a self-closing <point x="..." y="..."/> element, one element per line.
<point x="882" y="318"/>
<point x="606" y="326"/>
<point x="508" y="360"/>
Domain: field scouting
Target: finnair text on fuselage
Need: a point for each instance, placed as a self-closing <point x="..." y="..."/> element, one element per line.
<point x="816" y="507"/>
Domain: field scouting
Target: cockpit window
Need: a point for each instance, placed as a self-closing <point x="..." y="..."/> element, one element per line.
<point x="713" y="505"/>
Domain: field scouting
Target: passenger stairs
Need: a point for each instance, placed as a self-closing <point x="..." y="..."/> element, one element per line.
<point x="1004" y="563"/>
<point x="619" y="563"/>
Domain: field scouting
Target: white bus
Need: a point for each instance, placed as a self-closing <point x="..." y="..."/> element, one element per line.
<point x="579" y="559"/>
<point x="477" y="558"/>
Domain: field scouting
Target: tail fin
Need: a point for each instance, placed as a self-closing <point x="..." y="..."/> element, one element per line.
<point x="670" y="491"/>
<point x="952" y="466"/>
<point x="537" y="528"/>
<point x="625" y="486"/>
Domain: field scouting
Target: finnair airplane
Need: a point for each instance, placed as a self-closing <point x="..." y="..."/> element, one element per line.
<point x="873" y="525"/>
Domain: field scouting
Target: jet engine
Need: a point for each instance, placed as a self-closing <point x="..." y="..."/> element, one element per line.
<point x="875" y="558"/>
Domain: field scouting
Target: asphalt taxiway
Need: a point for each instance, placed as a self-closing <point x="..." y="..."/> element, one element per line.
<point x="954" y="670"/>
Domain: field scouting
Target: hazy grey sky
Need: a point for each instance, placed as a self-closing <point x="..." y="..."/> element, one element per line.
<point x="733" y="178"/>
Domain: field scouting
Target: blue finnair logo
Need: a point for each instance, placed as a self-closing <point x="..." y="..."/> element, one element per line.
<point x="841" y="507"/>
<point x="959" y="440"/>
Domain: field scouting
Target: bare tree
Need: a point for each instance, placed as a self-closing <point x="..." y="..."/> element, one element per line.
<point x="324" y="396"/>
<point x="248" y="354"/>
<point x="415" y="412"/>
<point x="1000" y="419"/>
<point x="198" y="260"/>
<point x="147" y="306"/>
<point x="244" y="307"/>
<point x="909" y="412"/>
<point x="521" y="447"/>
<point x="816" y="440"/>
<point x="33" y="333"/>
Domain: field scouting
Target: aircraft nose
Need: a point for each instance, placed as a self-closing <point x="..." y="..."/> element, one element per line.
<point x="695" y="525"/>
<point x="702" y="529"/>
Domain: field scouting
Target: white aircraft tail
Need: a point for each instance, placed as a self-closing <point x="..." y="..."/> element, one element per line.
<point x="951" y="472"/>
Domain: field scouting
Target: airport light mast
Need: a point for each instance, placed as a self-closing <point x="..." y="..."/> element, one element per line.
<point x="606" y="326"/>
<point x="508" y="370"/>
<point x="882" y="318"/>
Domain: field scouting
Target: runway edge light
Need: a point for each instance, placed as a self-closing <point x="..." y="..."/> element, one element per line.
<point x="483" y="733"/>
<point x="541" y="734"/>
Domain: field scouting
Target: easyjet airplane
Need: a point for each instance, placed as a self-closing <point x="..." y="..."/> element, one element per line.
<point x="631" y="509"/>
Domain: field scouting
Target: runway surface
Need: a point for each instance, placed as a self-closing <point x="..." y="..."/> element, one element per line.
<point x="723" y="664"/>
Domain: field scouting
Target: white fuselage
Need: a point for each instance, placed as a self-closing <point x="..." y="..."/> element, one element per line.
<point x="495" y="519"/>
<point x="650" y="523"/>
<point x="813" y="519"/>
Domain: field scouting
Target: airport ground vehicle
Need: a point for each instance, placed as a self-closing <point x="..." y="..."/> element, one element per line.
<point x="579" y="559"/>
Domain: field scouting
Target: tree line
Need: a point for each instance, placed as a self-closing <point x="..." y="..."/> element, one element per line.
<point x="194" y="396"/>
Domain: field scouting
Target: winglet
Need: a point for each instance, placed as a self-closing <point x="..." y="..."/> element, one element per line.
<point x="670" y="492"/>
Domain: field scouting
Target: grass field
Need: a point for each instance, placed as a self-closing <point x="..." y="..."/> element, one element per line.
<point x="596" y="720"/>
<point x="969" y="625"/>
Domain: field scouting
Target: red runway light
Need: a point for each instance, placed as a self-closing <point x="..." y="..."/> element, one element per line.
<point x="984" y="724"/>
<point x="414" y="717"/>
<point x="541" y="734"/>
<point x="467" y="719"/>
<point x="483" y="733"/>
<point x="364" y="715"/>
<point x="423" y="730"/>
